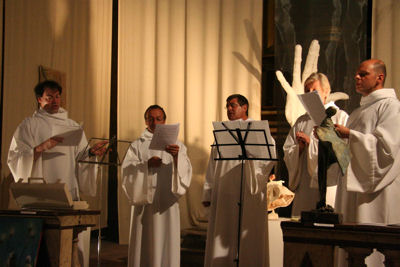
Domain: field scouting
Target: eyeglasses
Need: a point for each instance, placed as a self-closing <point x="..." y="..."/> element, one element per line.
<point x="151" y="119"/>
<point x="232" y="105"/>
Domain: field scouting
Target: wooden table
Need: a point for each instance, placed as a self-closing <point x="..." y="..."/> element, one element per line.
<point x="305" y="244"/>
<point x="61" y="228"/>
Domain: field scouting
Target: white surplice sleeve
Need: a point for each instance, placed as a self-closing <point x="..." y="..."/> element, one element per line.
<point x="210" y="176"/>
<point x="182" y="175"/>
<point x="20" y="154"/>
<point x="375" y="158"/>
<point x="138" y="183"/>
<point x="292" y="158"/>
<point x="86" y="172"/>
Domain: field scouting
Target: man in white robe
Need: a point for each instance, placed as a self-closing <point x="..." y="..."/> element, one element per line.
<point x="221" y="193"/>
<point x="301" y="153"/>
<point x="154" y="180"/>
<point x="370" y="190"/>
<point x="35" y="152"/>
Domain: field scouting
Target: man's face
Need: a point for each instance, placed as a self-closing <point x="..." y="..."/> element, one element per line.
<point x="316" y="86"/>
<point x="235" y="111"/>
<point x="50" y="100"/>
<point x="154" y="117"/>
<point x="367" y="80"/>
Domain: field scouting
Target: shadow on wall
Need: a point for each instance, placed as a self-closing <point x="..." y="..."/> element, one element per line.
<point x="256" y="47"/>
<point x="198" y="156"/>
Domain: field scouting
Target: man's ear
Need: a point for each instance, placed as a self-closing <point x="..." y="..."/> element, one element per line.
<point x="245" y="105"/>
<point x="381" y="77"/>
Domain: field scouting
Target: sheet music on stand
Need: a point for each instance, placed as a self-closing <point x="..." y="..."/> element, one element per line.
<point x="111" y="158"/>
<point x="250" y="140"/>
<point x="243" y="140"/>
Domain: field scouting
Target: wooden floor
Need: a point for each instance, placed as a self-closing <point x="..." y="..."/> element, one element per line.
<point x="115" y="255"/>
<point x="111" y="254"/>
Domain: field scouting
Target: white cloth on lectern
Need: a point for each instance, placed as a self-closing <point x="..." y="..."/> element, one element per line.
<point x="155" y="226"/>
<point x="222" y="189"/>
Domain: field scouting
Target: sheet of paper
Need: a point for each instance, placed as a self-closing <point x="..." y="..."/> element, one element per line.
<point x="258" y="144"/>
<point x="225" y="138"/>
<point x="313" y="104"/>
<point x="164" y="134"/>
<point x="261" y="134"/>
<point x="72" y="134"/>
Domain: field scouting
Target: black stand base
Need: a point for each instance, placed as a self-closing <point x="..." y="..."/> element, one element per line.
<point x="317" y="216"/>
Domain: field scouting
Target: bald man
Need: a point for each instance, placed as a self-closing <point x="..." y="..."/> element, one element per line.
<point x="370" y="190"/>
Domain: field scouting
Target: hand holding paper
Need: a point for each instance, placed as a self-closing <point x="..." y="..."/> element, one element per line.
<point x="164" y="135"/>
<point x="173" y="150"/>
<point x="71" y="134"/>
<point x="313" y="104"/>
<point x="99" y="148"/>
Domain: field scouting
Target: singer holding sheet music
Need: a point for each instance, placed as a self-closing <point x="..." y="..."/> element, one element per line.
<point x="221" y="193"/>
<point x="37" y="150"/>
<point x="153" y="181"/>
<point x="301" y="152"/>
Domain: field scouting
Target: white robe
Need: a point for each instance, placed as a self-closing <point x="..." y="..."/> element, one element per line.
<point x="155" y="226"/>
<point x="222" y="189"/>
<point x="303" y="169"/>
<point x="370" y="191"/>
<point x="56" y="163"/>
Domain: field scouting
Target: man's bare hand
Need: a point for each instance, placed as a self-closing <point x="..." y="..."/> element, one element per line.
<point x="303" y="140"/>
<point x="49" y="144"/>
<point x="342" y="130"/>
<point x="173" y="150"/>
<point x="99" y="148"/>
<point x="154" y="162"/>
<point x="46" y="145"/>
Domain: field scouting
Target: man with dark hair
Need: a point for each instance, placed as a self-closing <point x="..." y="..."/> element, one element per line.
<point x="153" y="181"/>
<point x="36" y="152"/>
<point x="155" y="107"/>
<point x="370" y="190"/>
<point x="221" y="193"/>
<point x="237" y="100"/>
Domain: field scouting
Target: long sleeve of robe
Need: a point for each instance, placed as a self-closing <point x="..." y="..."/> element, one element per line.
<point x="303" y="168"/>
<point x="58" y="163"/>
<point x="370" y="191"/>
<point x="222" y="189"/>
<point x="154" y="193"/>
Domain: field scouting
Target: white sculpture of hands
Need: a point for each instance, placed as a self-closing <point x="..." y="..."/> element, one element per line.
<point x="293" y="107"/>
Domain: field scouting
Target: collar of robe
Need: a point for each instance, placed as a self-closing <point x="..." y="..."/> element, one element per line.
<point x="146" y="135"/>
<point x="378" y="95"/>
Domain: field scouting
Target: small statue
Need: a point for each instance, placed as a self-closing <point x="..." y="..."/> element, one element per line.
<point x="277" y="196"/>
<point x="331" y="149"/>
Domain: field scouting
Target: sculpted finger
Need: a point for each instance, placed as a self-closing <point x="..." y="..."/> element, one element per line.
<point x="312" y="60"/>
<point x="297" y="69"/>
<point x="337" y="96"/>
<point x="286" y="86"/>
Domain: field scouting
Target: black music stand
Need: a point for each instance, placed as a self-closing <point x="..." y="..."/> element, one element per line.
<point x="243" y="140"/>
<point x="110" y="159"/>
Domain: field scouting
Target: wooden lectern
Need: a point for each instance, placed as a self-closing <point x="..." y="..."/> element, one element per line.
<point x="60" y="231"/>
<point x="312" y="245"/>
